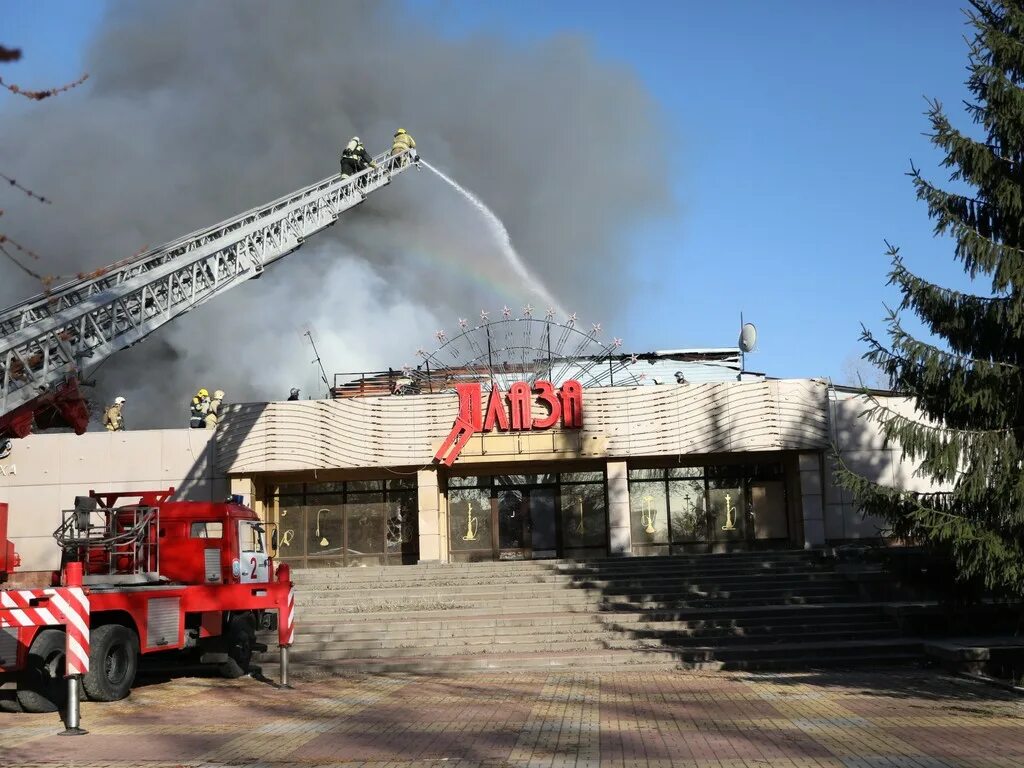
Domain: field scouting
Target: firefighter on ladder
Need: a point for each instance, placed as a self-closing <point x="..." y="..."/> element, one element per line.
<point x="404" y="141"/>
<point x="355" y="158"/>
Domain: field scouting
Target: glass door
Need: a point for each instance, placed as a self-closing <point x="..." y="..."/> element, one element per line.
<point x="543" y="523"/>
<point x="511" y="528"/>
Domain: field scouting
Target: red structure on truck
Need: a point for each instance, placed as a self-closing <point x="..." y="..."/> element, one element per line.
<point x="146" y="577"/>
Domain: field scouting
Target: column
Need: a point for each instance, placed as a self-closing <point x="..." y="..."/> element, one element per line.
<point x="812" y="500"/>
<point x="429" y="507"/>
<point x="620" y="536"/>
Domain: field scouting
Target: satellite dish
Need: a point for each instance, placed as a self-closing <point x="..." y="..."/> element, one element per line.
<point x="748" y="337"/>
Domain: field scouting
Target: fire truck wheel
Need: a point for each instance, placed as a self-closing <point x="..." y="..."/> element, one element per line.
<point x="240" y="639"/>
<point x="41" y="686"/>
<point x="113" y="662"/>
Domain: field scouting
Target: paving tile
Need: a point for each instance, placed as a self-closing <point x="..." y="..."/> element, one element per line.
<point x="565" y="719"/>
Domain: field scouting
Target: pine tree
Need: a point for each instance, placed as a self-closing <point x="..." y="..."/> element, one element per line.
<point x="969" y="390"/>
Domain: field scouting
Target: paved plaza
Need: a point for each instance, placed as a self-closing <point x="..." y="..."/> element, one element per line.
<point x="542" y="720"/>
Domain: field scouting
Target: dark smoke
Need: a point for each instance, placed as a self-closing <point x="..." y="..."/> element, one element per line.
<point x="195" y="111"/>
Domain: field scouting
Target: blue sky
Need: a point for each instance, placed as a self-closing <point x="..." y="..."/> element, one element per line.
<point x="788" y="127"/>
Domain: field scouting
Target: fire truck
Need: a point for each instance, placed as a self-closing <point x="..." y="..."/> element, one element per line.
<point x="155" y="576"/>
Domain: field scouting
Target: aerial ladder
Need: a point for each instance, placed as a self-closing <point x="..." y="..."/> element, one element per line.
<point x="50" y="343"/>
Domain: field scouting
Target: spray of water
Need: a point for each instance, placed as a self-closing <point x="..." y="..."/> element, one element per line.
<point x="504" y="241"/>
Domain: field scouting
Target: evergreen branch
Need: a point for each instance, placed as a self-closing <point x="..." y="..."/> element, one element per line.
<point x="27" y="191"/>
<point x="43" y="94"/>
<point x="917" y="350"/>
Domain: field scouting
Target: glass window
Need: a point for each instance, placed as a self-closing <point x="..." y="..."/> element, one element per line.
<point x="407" y="483"/>
<point x="725" y="498"/>
<point x="403" y="523"/>
<point x="250" y="536"/>
<point x="646" y="474"/>
<point x="648" y="512"/>
<point x="207" y="530"/>
<point x="468" y="482"/>
<point x="367" y="532"/>
<point x="686" y="472"/>
<point x="358" y="486"/>
<point x="316" y="499"/>
<point x="505" y="480"/>
<point x="289" y="489"/>
<point x="324" y="531"/>
<point x="688" y="514"/>
<point x="584" y="516"/>
<point x="768" y="509"/>
<point x="325" y="487"/>
<point x="469" y="518"/>
<point x="582" y="477"/>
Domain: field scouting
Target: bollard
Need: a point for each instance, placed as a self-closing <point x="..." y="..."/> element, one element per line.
<point x="284" y="667"/>
<point x="73" y="578"/>
<point x="72" y="721"/>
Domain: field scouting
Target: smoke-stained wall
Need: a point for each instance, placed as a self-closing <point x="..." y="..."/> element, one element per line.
<point x="195" y="111"/>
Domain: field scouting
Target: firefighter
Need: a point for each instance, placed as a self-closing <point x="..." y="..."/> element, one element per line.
<point x="294" y="394"/>
<point x="212" y="408"/>
<point x="113" y="419"/>
<point x="364" y="159"/>
<point x="197" y="411"/>
<point x="355" y="158"/>
<point x="350" y="159"/>
<point x="404" y="141"/>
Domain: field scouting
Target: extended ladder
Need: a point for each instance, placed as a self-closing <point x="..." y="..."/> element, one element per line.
<point x="47" y="341"/>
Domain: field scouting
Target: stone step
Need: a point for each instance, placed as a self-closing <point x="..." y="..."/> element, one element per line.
<point x="527" y="571"/>
<point x="881" y="653"/>
<point x="839" y="651"/>
<point x="766" y="592"/>
<point x="344" y="648"/>
<point x="411" y="631"/>
<point x="477" y="586"/>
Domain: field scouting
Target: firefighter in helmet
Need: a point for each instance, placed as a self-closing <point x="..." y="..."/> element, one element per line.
<point x="294" y="394"/>
<point x="355" y="158"/>
<point x="113" y="418"/>
<point x="197" y="410"/>
<point x="404" y="141"/>
<point x="212" y="415"/>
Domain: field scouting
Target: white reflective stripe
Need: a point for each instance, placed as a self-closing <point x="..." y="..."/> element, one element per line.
<point x="22" y="618"/>
<point x="73" y="617"/>
<point x="79" y="597"/>
<point x="48" y="618"/>
<point x="78" y="653"/>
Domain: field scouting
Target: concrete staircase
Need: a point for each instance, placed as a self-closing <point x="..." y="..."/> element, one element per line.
<point x="767" y="610"/>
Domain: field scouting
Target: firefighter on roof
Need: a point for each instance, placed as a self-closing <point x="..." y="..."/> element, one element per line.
<point x="113" y="419"/>
<point x="294" y="394"/>
<point x="197" y="411"/>
<point x="212" y="416"/>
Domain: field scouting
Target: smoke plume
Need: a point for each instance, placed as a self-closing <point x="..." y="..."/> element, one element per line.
<point x="195" y="111"/>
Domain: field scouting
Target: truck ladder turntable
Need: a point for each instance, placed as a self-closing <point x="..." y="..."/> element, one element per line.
<point x="47" y="341"/>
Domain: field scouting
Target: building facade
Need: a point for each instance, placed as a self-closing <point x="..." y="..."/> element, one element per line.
<point x="653" y="469"/>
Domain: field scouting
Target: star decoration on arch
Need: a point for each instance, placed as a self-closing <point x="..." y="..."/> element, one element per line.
<point x="528" y="310"/>
<point x="571" y="320"/>
<point x="506" y="312"/>
<point x="596" y="328"/>
<point x="420" y="352"/>
<point x="550" y="314"/>
<point x="463" y="323"/>
<point x="616" y="342"/>
<point x="633" y="358"/>
<point x="484" y="314"/>
<point x="440" y="335"/>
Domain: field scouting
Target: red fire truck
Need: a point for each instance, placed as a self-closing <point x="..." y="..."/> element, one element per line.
<point x="146" y="577"/>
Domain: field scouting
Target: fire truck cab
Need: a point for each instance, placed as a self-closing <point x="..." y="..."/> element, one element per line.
<point x="160" y="576"/>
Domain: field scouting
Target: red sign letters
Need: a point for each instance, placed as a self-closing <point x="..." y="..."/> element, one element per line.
<point x="511" y="412"/>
